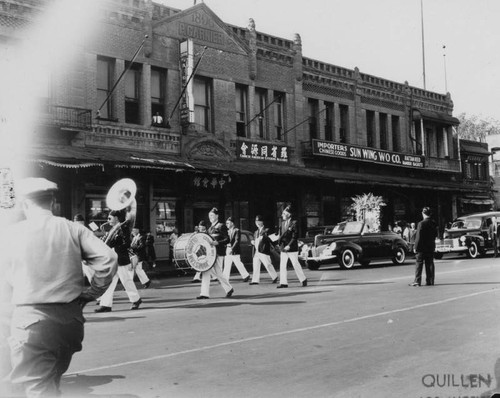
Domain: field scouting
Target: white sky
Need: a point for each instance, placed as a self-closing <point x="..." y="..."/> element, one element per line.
<point x="383" y="38"/>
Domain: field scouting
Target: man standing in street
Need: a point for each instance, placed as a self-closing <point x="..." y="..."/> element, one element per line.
<point x="233" y="252"/>
<point x="425" y="245"/>
<point x="41" y="270"/>
<point x="218" y="232"/>
<point x="289" y="249"/>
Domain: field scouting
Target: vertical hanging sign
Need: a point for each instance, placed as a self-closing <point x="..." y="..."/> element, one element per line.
<point x="187" y="65"/>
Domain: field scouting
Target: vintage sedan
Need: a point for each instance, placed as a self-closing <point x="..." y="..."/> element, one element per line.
<point x="472" y="235"/>
<point x="352" y="242"/>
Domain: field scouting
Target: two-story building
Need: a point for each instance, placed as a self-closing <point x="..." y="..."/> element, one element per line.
<point x="201" y="113"/>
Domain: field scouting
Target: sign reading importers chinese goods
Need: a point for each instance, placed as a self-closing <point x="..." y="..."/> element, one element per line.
<point x="338" y="150"/>
<point x="259" y="151"/>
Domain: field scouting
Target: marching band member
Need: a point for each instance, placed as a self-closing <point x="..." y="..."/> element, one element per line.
<point x="262" y="245"/>
<point x="118" y="238"/>
<point x="138" y="247"/>
<point x="233" y="252"/>
<point x="289" y="249"/>
<point x="218" y="232"/>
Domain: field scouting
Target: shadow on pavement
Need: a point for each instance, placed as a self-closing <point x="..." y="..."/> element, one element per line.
<point x="81" y="386"/>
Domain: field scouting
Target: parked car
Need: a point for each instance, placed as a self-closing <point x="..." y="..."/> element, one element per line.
<point x="308" y="240"/>
<point x="351" y="242"/>
<point x="472" y="235"/>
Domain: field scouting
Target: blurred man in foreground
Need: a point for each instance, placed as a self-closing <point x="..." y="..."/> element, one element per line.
<point x="41" y="276"/>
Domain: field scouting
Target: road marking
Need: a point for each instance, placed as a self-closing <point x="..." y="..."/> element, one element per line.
<point x="286" y="332"/>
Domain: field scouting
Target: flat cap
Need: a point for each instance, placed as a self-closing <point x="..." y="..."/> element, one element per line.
<point x="34" y="187"/>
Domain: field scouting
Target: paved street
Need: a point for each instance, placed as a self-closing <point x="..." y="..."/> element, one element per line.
<point x="358" y="333"/>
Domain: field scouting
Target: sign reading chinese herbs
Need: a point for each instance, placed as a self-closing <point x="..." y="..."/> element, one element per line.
<point x="338" y="150"/>
<point x="259" y="151"/>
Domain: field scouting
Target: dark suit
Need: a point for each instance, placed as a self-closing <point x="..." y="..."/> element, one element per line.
<point x="425" y="245"/>
<point x="233" y="255"/>
<point x="262" y="255"/>
<point x="289" y="247"/>
<point x="218" y="232"/>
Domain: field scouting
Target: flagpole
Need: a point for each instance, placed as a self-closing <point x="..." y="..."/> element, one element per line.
<point x="423" y="47"/>
<point x="445" y="77"/>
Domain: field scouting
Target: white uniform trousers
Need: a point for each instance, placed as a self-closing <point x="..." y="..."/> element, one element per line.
<point x="217" y="271"/>
<point x="123" y="273"/>
<point x="140" y="273"/>
<point x="228" y="264"/>
<point x="265" y="259"/>
<point x="294" y="258"/>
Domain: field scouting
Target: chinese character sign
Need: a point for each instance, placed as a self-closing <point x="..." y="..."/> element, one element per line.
<point x="260" y="151"/>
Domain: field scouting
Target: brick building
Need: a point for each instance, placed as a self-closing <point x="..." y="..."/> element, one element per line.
<point x="247" y="124"/>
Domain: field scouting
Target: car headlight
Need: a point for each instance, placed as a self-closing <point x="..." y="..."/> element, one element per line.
<point x="329" y="250"/>
<point x="463" y="239"/>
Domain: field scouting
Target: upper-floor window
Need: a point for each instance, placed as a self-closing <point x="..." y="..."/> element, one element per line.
<point x="383" y="130"/>
<point x="241" y="110"/>
<point x="158" y="95"/>
<point x="396" y="134"/>
<point x="104" y="83"/>
<point x="202" y="89"/>
<point x="261" y="106"/>
<point x="329" y="122"/>
<point x="312" y="108"/>
<point x="370" y="129"/>
<point x="343" y="123"/>
<point x="132" y="105"/>
<point x="279" y="100"/>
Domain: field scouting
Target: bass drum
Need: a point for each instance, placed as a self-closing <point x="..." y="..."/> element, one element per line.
<point x="195" y="250"/>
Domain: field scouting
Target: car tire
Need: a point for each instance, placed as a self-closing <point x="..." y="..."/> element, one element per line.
<point x="473" y="251"/>
<point x="347" y="259"/>
<point x="438" y="256"/>
<point x="399" y="256"/>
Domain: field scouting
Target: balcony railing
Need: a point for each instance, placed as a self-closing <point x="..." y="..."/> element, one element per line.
<point x="67" y="117"/>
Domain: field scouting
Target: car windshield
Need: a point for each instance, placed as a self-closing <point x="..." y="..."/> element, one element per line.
<point x="466" y="224"/>
<point x="354" y="227"/>
<point x="339" y="228"/>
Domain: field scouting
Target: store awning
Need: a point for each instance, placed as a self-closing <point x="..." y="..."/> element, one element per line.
<point x="474" y="149"/>
<point x="435" y="117"/>
<point x="84" y="157"/>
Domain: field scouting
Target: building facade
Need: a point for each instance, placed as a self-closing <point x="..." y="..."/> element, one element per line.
<point x="200" y="113"/>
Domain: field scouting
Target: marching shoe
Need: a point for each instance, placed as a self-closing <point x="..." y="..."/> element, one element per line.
<point x="196" y="281"/>
<point x="275" y="280"/>
<point x="281" y="286"/>
<point x="246" y="279"/>
<point x="146" y="285"/>
<point x="304" y="282"/>
<point x="253" y="283"/>
<point x="414" y="284"/>
<point x="135" y="306"/>
<point x="230" y="293"/>
<point x="103" y="309"/>
<point x="202" y="298"/>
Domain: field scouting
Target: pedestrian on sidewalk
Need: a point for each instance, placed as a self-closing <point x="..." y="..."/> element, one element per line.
<point x="425" y="245"/>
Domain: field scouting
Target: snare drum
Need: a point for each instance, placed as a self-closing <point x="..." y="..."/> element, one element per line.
<point x="195" y="250"/>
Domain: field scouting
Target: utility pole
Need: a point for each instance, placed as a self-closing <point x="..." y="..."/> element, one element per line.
<point x="423" y="47"/>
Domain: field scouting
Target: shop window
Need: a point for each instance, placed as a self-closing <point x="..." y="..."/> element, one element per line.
<point x="158" y="95"/>
<point x="132" y="105"/>
<point x="241" y="110"/>
<point x="104" y="83"/>
<point x="166" y="218"/>
<point x="203" y="103"/>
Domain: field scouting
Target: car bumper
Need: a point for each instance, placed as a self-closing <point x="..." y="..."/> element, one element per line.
<point x="323" y="259"/>
<point x="451" y="249"/>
